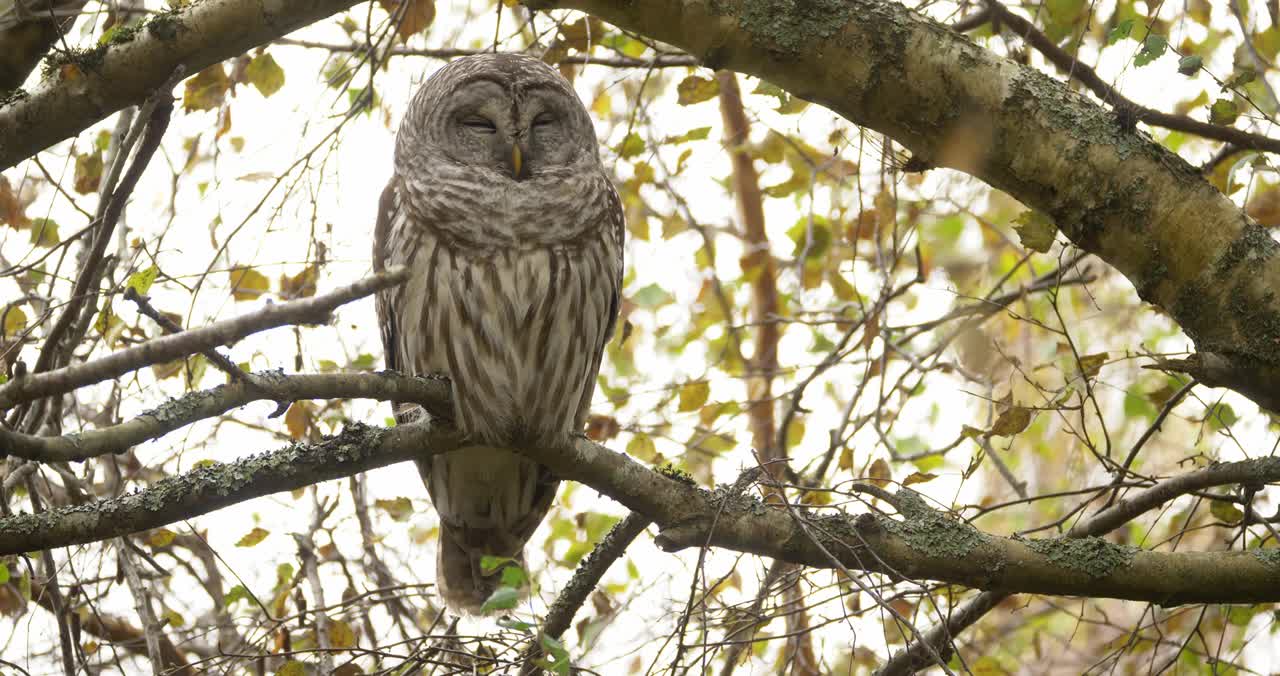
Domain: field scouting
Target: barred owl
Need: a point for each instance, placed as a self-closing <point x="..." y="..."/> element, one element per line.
<point x="501" y="208"/>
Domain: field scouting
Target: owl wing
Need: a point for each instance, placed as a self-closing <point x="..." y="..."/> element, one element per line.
<point x="617" y="223"/>
<point x="387" y="300"/>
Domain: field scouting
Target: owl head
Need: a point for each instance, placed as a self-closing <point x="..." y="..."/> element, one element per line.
<point x="508" y="114"/>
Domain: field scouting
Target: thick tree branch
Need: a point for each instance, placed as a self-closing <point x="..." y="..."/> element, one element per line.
<point x="303" y="311"/>
<point x="1110" y="189"/>
<point x="357" y="449"/>
<point x="196" y="36"/>
<point x="923" y="544"/>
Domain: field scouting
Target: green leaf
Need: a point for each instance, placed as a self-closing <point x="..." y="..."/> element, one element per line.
<point x="514" y="576"/>
<point x="1220" y="416"/>
<point x="1121" y="31"/>
<point x="1152" y="48"/>
<point x="4" y="572"/>
<point x="236" y="593"/>
<point x="769" y="89"/>
<point x="1240" y="78"/>
<point x="651" y="296"/>
<point x="694" y="89"/>
<point x="1225" y="511"/>
<point x="44" y="232"/>
<point x="1190" y="65"/>
<point x="1036" y="230"/>
<point x="502" y="598"/>
<point x="265" y="74"/>
<point x="631" y="146"/>
<point x="142" y="280"/>
<point x="557" y="656"/>
<point x="695" y="134"/>
<point x="1224" y="112"/>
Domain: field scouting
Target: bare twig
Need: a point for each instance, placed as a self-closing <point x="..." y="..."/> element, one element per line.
<point x="195" y="406"/>
<point x="169" y="326"/>
<point x="584" y="581"/>
<point x="168" y="348"/>
<point x="1069" y="65"/>
<point x="658" y="61"/>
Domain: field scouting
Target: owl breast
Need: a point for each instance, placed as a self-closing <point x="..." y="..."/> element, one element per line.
<point x="518" y="330"/>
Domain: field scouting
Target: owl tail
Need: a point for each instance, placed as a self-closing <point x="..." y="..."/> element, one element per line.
<point x="460" y="576"/>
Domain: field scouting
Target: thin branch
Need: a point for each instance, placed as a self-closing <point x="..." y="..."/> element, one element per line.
<point x="168" y="348"/>
<point x="657" y="61"/>
<point x="196" y="406"/>
<point x="1072" y="67"/>
<point x="89" y="277"/>
<point x="585" y="579"/>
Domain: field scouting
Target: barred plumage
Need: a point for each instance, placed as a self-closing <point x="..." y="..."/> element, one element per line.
<point x="517" y="262"/>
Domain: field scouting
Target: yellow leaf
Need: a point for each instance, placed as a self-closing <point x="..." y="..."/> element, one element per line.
<point x="265" y="74"/>
<point x="90" y="647"/>
<point x="1012" y="421"/>
<point x="142" y="280"/>
<point x="603" y="105"/>
<point x="168" y="369"/>
<point x="1091" y="364"/>
<point x="918" y="478"/>
<point x="12" y="207"/>
<point x="1036" y="230"/>
<point x="413" y="19"/>
<point x="694" y="89"/>
<point x="1225" y="511"/>
<point x="301" y="285"/>
<point x="299" y="419"/>
<point x="846" y="458"/>
<point x="160" y="537"/>
<point x="398" y="509"/>
<point x="292" y="668"/>
<point x="253" y="537"/>
<point x="879" y="473"/>
<point x="15" y="321"/>
<point x="44" y="232"/>
<point x="174" y="617"/>
<point x="247" y="283"/>
<point x="693" y="395"/>
<point x="88" y="173"/>
<point x="207" y="89"/>
<point x="341" y="635"/>
<point x="641" y="447"/>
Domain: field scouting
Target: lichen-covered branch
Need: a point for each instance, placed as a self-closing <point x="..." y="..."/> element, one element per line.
<point x="167" y="348"/>
<point x="1109" y="188"/>
<point x="207" y="489"/>
<point x="196" y="406"/>
<point x="923" y="544"/>
<point x="126" y="70"/>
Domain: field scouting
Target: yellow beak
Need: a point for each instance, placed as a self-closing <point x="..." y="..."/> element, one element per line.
<point x="516" y="160"/>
